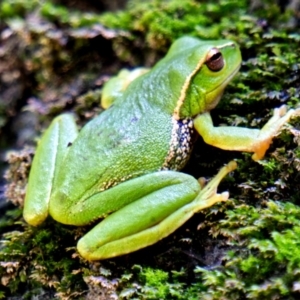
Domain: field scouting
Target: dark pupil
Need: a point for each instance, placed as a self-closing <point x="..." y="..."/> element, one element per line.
<point x="215" y="56"/>
<point x="215" y="62"/>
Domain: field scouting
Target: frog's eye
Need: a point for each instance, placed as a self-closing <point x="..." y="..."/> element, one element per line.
<point x="214" y="60"/>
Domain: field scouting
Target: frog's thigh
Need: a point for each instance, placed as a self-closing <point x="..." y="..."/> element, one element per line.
<point x="99" y="205"/>
<point x="242" y="139"/>
<point x="150" y="218"/>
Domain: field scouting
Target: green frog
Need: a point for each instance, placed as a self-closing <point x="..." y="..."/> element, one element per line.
<point x="121" y="171"/>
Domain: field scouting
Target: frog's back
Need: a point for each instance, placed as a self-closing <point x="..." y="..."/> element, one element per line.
<point x="128" y="140"/>
<point x="136" y="136"/>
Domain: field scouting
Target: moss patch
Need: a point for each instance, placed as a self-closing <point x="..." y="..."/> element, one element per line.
<point x="56" y="58"/>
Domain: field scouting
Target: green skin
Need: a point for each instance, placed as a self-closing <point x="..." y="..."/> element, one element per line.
<point x="123" y="165"/>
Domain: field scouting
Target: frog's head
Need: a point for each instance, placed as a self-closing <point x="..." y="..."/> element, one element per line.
<point x="210" y="66"/>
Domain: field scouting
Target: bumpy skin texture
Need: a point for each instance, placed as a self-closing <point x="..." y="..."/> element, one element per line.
<point x="125" y="160"/>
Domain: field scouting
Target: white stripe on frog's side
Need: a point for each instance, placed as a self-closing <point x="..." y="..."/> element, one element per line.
<point x="176" y="113"/>
<point x="181" y="144"/>
<point x="229" y="44"/>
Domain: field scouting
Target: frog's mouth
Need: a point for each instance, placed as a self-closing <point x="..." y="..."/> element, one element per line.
<point x="213" y="97"/>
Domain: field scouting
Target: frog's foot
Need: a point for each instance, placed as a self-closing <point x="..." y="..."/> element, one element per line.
<point x="266" y="134"/>
<point x="208" y="195"/>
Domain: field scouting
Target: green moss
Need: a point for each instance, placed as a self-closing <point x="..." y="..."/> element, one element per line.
<point x="33" y="252"/>
<point x="256" y="243"/>
<point x="264" y="256"/>
<point x="167" y="20"/>
<point x="16" y="8"/>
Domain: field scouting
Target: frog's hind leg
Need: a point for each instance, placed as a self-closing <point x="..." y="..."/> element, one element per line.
<point x="48" y="158"/>
<point x="152" y="217"/>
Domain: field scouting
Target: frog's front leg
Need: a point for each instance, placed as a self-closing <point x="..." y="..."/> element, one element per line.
<point x="115" y="86"/>
<point x="153" y="216"/>
<point x="242" y="139"/>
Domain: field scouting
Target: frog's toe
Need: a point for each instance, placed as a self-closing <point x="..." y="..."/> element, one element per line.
<point x="280" y="117"/>
<point x="280" y="111"/>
